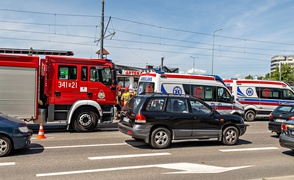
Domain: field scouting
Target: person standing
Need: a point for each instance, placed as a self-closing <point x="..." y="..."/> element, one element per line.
<point x="125" y="96"/>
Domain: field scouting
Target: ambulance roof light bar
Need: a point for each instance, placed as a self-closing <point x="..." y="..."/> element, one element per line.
<point x="32" y="51"/>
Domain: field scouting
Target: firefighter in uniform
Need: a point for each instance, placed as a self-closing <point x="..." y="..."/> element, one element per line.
<point x="125" y="97"/>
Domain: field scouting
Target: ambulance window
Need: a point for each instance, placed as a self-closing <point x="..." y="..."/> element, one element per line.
<point x="288" y="94"/>
<point x="209" y="93"/>
<point x="145" y="87"/>
<point x="84" y="73"/>
<point x="67" y="72"/>
<point x="269" y="93"/>
<point x="205" y="93"/>
<point x="198" y="92"/>
<point x="223" y="95"/>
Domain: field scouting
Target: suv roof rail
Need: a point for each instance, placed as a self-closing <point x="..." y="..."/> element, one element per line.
<point x="167" y="94"/>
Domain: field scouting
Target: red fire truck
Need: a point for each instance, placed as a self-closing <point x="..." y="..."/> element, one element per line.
<point x="56" y="88"/>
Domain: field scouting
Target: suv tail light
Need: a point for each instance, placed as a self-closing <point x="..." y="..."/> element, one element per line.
<point x="291" y="118"/>
<point x="271" y="116"/>
<point x="139" y="118"/>
<point x="284" y="127"/>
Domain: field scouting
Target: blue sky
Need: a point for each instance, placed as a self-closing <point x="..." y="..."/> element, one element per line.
<point x="145" y="30"/>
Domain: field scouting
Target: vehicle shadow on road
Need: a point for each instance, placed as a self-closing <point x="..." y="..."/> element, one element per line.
<point x="275" y="136"/>
<point x="31" y="149"/>
<point x="289" y="153"/>
<point x="142" y="145"/>
<point x="49" y="128"/>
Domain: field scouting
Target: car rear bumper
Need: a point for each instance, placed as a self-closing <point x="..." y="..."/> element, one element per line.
<point x="137" y="131"/>
<point x="274" y="126"/>
<point x="286" y="141"/>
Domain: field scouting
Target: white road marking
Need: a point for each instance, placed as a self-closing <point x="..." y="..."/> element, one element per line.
<point x="277" y="178"/>
<point x="129" y="156"/>
<point x="7" y="164"/>
<point x="182" y="168"/>
<point x="249" y="149"/>
<point x="78" y="146"/>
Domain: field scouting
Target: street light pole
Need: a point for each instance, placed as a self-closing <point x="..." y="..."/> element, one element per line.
<point x="213" y="49"/>
<point x="193" y="63"/>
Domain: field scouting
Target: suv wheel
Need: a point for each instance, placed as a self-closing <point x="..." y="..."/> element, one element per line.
<point x="230" y="135"/>
<point x="160" y="138"/>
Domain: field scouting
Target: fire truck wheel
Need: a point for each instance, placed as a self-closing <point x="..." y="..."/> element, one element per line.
<point x="85" y="119"/>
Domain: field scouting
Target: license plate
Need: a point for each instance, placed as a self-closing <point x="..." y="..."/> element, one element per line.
<point x="280" y="120"/>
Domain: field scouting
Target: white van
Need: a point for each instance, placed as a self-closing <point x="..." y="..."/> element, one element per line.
<point x="211" y="89"/>
<point x="260" y="97"/>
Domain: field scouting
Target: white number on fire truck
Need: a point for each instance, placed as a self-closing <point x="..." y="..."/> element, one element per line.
<point x="67" y="84"/>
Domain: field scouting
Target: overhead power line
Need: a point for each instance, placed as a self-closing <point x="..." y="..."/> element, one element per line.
<point x="146" y="24"/>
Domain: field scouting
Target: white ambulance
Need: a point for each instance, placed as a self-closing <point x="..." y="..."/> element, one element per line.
<point x="260" y="97"/>
<point x="211" y="89"/>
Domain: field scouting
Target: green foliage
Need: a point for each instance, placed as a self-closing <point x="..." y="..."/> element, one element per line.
<point x="287" y="74"/>
<point x="249" y="77"/>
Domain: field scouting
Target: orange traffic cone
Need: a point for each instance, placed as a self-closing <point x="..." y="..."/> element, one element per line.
<point x="41" y="132"/>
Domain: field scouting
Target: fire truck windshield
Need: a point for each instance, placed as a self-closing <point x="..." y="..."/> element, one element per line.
<point x="101" y="75"/>
<point x="106" y="76"/>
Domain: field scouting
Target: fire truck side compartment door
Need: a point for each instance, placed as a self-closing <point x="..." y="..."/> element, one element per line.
<point x="18" y="87"/>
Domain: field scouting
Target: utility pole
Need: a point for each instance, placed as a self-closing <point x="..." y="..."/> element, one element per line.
<point x="213" y="49"/>
<point x="162" y="58"/>
<point x="193" y="63"/>
<point x="280" y="70"/>
<point x="102" y="31"/>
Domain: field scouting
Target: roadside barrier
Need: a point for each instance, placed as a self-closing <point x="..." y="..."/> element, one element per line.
<point x="41" y="132"/>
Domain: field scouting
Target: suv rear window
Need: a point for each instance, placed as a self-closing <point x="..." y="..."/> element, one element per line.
<point x="285" y="108"/>
<point x="135" y="102"/>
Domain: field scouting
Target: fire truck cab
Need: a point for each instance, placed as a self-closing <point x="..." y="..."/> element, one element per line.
<point x="260" y="97"/>
<point x="209" y="88"/>
<point x="78" y="91"/>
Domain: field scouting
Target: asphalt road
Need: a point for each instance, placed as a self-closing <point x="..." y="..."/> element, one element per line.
<point x="108" y="154"/>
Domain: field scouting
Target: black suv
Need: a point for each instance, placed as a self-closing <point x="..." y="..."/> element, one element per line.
<point x="160" y="118"/>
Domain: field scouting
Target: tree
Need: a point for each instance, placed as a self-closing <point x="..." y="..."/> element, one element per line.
<point x="268" y="76"/>
<point x="287" y="73"/>
<point x="249" y="77"/>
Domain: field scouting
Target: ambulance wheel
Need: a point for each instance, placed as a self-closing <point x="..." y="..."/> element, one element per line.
<point x="249" y="115"/>
<point x="85" y="119"/>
